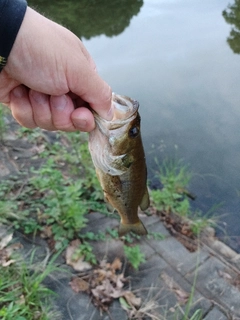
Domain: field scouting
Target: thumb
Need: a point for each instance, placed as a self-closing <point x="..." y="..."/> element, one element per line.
<point x="85" y="82"/>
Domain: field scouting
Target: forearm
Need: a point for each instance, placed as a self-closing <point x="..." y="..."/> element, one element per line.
<point x="11" y="16"/>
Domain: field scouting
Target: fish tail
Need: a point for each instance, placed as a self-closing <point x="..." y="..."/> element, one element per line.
<point x="137" y="228"/>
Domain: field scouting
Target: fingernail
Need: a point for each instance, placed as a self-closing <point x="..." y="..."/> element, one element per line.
<point x="80" y="124"/>
<point x="18" y="92"/>
<point x="59" y="102"/>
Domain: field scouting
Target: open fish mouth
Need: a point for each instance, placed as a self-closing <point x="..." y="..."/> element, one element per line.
<point x="124" y="107"/>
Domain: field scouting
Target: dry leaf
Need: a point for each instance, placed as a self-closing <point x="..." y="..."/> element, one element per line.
<point x="117" y="264"/>
<point x="120" y="281"/>
<point x="4" y="242"/>
<point x="6" y="253"/>
<point x="79" y="264"/>
<point x="7" y="263"/>
<point x="106" y="285"/>
<point x="224" y="275"/>
<point x="131" y="299"/>
<point x="78" y="284"/>
<point x="13" y="247"/>
<point x="46" y="232"/>
<point x="182" y="296"/>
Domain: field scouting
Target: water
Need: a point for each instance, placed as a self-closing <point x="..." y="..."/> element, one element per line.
<point x="174" y="58"/>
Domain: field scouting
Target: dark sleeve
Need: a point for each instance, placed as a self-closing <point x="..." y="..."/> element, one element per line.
<point x="11" y="16"/>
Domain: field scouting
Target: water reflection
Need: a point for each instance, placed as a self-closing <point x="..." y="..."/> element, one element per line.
<point x="89" y="18"/>
<point x="232" y="16"/>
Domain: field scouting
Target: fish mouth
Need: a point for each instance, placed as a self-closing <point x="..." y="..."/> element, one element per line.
<point x="124" y="110"/>
<point x="124" y="107"/>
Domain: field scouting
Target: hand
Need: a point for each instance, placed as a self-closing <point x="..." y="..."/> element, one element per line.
<point x="50" y="78"/>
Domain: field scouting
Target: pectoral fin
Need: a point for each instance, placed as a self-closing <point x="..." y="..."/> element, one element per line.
<point x="127" y="160"/>
<point x="145" y="200"/>
<point x="110" y="208"/>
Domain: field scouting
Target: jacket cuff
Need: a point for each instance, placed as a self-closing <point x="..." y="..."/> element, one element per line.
<point x="11" y="16"/>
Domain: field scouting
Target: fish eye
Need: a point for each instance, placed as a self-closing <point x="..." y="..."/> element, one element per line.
<point x="133" y="132"/>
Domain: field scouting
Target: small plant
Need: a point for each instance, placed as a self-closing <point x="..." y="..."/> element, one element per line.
<point x="199" y="222"/>
<point x="59" y="194"/>
<point x="62" y="202"/>
<point x="134" y="256"/>
<point x="22" y="294"/>
<point x="86" y="250"/>
<point x="155" y="235"/>
<point x="173" y="196"/>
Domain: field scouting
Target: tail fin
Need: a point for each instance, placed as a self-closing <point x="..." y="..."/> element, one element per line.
<point x="137" y="228"/>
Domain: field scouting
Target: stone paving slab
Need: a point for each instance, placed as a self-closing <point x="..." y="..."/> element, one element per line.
<point x="174" y="253"/>
<point x="179" y="286"/>
<point x="154" y="224"/>
<point x="214" y="282"/>
<point x="215" y="314"/>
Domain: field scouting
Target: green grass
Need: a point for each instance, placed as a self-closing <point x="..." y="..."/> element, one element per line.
<point x="175" y="178"/>
<point x="22" y="295"/>
<point x="174" y="195"/>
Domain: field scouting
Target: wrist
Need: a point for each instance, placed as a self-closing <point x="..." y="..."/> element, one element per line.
<point x="11" y="16"/>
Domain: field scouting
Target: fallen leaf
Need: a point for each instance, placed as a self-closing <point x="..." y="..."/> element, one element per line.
<point x="224" y="275"/>
<point x="124" y="304"/>
<point x="5" y="254"/>
<point x="119" y="281"/>
<point x="131" y="299"/>
<point x="117" y="264"/>
<point x="181" y="295"/>
<point x="4" y="242"/>
<point x="46" y="232"/>
<point x="77" y="264"/>
<point x="78" y="284"/>
<point x="7" y="263"/>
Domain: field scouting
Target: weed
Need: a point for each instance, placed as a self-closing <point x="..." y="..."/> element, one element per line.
<point x="134" y="256"/>
<point x="175" y="178"/>
<point x="155" y="236"/>
<point x="62" y="200"/>
<point x="52" y="197"/>
<point x="86" y="250"/>
<point x="174" y="196"/>
<point x="112" y="232"/>
<point x="199" y="222"/>
<point x="93" y="236"/>
<point x="22" y="295"/>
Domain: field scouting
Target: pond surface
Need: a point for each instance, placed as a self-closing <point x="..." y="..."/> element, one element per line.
<point x="173" y="57"/>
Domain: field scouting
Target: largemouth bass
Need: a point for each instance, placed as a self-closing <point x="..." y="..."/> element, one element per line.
<point x="118" y="156"/>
